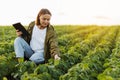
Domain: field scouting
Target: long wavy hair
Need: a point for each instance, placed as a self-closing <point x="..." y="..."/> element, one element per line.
<point x="42" y="12"/>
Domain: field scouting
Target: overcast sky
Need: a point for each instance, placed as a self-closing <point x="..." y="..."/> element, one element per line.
<point x="101" y="12"/>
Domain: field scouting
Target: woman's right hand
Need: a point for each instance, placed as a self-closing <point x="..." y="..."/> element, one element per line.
<point x="19" y="33"/>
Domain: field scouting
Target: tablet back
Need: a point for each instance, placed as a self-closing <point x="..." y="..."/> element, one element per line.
<point x="20" y="27"/>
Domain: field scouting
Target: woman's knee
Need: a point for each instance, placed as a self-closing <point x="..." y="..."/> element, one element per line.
<point x="18" y="40"/>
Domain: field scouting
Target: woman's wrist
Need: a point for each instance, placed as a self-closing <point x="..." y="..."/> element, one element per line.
<point x="56" y="57"/>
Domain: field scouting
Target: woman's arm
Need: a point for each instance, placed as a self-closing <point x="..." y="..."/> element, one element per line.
<point x="54" y="50"/>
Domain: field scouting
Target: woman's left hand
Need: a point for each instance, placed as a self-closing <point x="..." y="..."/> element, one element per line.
<point x="57" y="57"/>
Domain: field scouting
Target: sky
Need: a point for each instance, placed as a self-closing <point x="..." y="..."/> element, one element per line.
<point x="83" y="12"/>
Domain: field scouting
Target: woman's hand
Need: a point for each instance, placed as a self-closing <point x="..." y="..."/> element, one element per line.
<point x="56" y="57"/>
<point x="19" y="33"/>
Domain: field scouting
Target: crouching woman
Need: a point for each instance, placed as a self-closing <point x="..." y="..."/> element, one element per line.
<point x="42" y="43"/>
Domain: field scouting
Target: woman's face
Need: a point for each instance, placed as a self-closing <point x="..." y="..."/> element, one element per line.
<point x="44" y="20"/>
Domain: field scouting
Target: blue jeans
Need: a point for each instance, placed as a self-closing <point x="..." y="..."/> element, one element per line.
<point x="22" y="49"/>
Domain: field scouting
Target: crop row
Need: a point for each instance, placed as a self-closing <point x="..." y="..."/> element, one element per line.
<point x="84" y="56"/>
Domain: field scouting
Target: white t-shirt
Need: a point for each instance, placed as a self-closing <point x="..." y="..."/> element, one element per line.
<point x="37" y="43"/>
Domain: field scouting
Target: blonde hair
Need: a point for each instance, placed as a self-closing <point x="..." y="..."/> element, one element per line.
<point x="42" y="12"/>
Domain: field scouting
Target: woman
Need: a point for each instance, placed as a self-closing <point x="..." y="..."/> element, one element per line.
<point x="41" y="44"/>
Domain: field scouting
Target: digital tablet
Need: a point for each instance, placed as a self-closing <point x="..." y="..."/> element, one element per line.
<point x="20" y="27"/>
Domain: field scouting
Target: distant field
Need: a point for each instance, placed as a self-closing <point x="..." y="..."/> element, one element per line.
<point x="87" y="53"/>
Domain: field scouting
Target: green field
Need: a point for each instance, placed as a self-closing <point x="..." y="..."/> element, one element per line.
<point x="87" y="53"/>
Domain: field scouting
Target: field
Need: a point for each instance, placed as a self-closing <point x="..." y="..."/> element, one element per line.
<point x="87" y="53"/>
